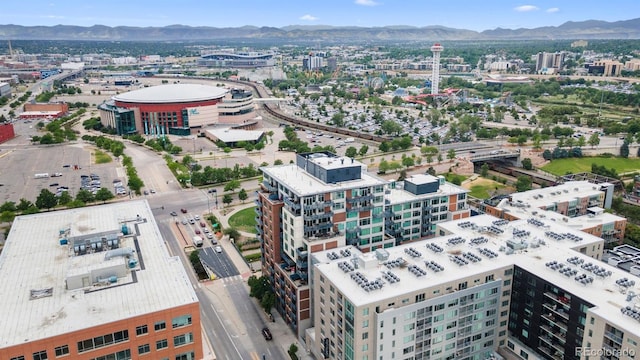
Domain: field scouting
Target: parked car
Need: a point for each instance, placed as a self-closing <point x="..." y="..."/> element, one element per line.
<point x="184" y="211"/>
<point x="173" y="213"/>
<point x="202" y="224"/>
<point x="218" y="249"/>
<point x="197" y="217"/>
<point x="198" y="232"/>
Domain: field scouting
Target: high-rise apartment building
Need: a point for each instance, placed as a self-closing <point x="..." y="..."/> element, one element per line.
<point x="326" y="201"/>
<point x="527" y="289"/>
<point x="549" y="62"/>
<point x="579" y="204"/>
<point x="95" y="283"/>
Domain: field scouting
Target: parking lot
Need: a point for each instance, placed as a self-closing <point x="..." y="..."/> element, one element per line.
<point x="20" y="164"/>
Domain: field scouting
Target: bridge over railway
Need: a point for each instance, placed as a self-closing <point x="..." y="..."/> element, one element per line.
<point x="510" y="158"/>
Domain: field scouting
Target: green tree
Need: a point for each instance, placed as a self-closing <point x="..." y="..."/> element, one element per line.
<point x="84" y="196"/>
<point x="351" y="152"/>
<point x="23" y="205"/>
<point x="278" y="162"/>
<point x="267" y="301"/>
<point x="242" y="195"/>
<point x="594" y="140"/>
<point x="363" y="150"/>
<point x="293" y="349"/>
<point x="46" y="200"/>
<point x="440" y="158"/>
<point x="227" y="199"/>
<point x="403" y="175"/>
<point x="527" y="164"/>
<point x="64" y="198"/>
<point x="523" y="183"/>
<point x="8" y="206"/>
<point x="104" y="194"/>
<point x="624" y="149"/>
<point x="451" y="154"/>
<point x="484" y="170"/>
<point x="232" y="233"/>
<point x="383" y="167"/>
<point x="408" y="161"/>
<point x="384" y="146"/>
<point x="232" y="185"/>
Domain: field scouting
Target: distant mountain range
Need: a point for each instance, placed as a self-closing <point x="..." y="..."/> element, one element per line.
<point x="591" y="29"/>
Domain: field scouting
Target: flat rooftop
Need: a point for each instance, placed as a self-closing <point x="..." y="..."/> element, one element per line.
<point x="37" y="272"/>
<point x="228" y="135"/>
<point x="303" y="184"/>
<point x="473" y="236"/>
<point x="401" y="196"/>
<point x="556" y="194"/>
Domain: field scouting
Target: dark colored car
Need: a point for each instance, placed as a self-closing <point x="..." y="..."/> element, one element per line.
<point x="184" y="211"/>
<point x="267" y="333"/>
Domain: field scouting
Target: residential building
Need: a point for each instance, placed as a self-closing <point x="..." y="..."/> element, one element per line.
<point x="326" y="201"/>
<point x="549" y="62"/>
<point x="95" y="283"/>
<point x="5" y="89"/>
<point x="578" y="204"/>
<point x="414" y="206"/>
<point x="486" y="288"/>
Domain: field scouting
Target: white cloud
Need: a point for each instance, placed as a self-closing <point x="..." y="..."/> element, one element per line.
<point x="366" y="2"/>
<point x="553" y="10"/>
<point x="525" y="8"/>
<point x="308" y="17"/>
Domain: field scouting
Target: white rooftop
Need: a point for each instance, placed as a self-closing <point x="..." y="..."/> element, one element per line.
<point x="556" y="194"/>
<point x="401" y="196"/>
<point x="172" y="93"/>
<point x="228" y="135"/>
<point x="603" y="292"/>
<point x="302" y="183"/>
<point x="34" y="260"/>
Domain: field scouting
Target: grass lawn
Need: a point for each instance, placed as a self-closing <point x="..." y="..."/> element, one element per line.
<point x="482" y="188"/>
<point x="455" y="178"/>
<point x="101" y="157"/>
<point x="244" y="220"/>
<point x="578" y="165"/>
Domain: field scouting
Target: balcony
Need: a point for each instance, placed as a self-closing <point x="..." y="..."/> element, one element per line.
<point x="269" y="187"/>
<point x="617" y="339"/>
<point x="258" y="211"/>
<point x="557" y="311"/>
<point x="561" y="300"/>
<point x="294" y="205"/>
<point x="319" y="216"/>
<point x="259" y="220"/>
<point x="258" y="202"/>
<point x="355" y="230"/>
<point x="359" y="208"/>
<point x="301" y="253"/>
<point x="552" y="344"/>
<point x="559" y="335"/>
<point x="318" y="227"/>
<point x="317" y="205"/>
<point x="362" y="198"/>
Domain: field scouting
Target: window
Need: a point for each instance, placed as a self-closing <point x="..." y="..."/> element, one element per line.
<point x="17" y="358"/>
<point x="186" y="356"/>
<point x="40" y="355"/>
<point x="141" y="330"/>
<point x="182" y="339"/>
<point x="120" y="355"/>
<point x="365" y="335"/>
<point x="102" y="341"/>
<point x="143" y="349"/>
<point x="162" y="344"/>
<point x="181" y="321"/>
<point x="62" y="350"/>
<point x="160" y="325"/>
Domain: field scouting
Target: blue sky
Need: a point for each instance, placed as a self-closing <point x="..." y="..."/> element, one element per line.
<point x="464" y="14"/>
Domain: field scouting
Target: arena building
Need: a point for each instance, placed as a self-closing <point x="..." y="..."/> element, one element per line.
<point x="237" y="59"/>
<point x="165" y="109"/>
<point x="95" y="283"/>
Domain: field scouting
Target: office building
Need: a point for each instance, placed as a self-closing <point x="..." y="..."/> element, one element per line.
<point x="231" y="59"/>
<point x="326" y="201"/>
<point x="577" y="204"/>
<point x="486" y="288"/>
<point x="95" y="283"/>
<point x="5" y="89"/>
<point x="606" y="68"/>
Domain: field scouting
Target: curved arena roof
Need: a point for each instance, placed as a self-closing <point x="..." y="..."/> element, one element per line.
<point x="173" y="93"/>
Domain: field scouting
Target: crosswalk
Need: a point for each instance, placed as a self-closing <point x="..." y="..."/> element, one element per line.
<point x="230" y="279"/>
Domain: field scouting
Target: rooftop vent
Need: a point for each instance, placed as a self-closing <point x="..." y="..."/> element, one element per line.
<point x="40" y="293"/>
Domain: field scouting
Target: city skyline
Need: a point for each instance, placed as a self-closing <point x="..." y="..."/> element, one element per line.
<point x="464" y="14"/>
